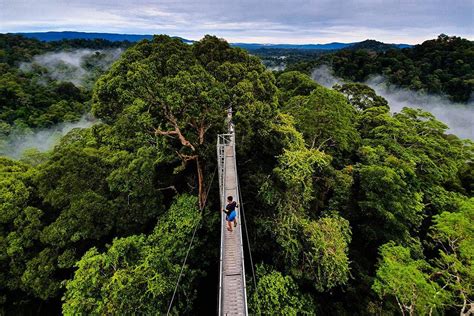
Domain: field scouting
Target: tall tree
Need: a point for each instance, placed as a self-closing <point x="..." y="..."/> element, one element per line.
<point x="182" y="93"/>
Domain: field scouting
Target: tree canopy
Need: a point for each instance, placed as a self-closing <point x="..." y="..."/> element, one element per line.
<point x="442" y="66"/>
<point x="351" y="209"/>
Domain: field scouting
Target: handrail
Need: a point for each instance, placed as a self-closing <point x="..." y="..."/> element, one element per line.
<point x="222" y="141"/>
<point x="222" y="232"/>
<point x="221" y="165"/>
<point x="237" y="188"/>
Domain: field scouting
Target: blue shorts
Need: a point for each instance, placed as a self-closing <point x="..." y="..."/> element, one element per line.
<point x="231" y="216"/>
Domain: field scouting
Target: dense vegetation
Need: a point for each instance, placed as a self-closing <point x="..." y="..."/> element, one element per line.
<point x="296" y="58"/>
<point x="33" y="98"/>
<point x="277" y="59"/>
<point x="351" y="210"/>
<point x="441" y="66"/>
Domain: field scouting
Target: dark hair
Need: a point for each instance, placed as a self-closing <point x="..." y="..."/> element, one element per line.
<point x="230" y="198"/>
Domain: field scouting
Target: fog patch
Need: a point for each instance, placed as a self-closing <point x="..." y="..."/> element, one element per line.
<point x="324" y="76"/>
<point x="20" y="139"/>
<point x="457" y="116"/>
<point x="274" y="65"/>
<point x="81" y="66"/>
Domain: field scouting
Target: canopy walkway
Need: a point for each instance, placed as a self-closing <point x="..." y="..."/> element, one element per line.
<point x="232" y="288"/>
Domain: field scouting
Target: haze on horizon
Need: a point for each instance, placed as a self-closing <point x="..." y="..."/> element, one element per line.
<point x="265" y="21"/>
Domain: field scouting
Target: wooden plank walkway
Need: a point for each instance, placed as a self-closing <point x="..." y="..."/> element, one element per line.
<point x="233" y="289"/>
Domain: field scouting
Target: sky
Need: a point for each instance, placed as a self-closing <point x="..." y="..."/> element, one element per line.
<point x="259" y="21"/>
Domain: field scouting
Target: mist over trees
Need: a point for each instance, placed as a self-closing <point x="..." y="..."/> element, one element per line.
<point x="457" y="116"/>
<point x="351" y="209"/>
<point x="442" y="66"/>
<point x="45" y="88"/>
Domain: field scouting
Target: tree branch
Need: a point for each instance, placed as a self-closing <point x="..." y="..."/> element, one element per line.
<point x="176" y="132"/>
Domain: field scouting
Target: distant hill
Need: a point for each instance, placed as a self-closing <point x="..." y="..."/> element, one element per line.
<point x="374" y="45"/>
<point x="56" y="36"/>
<point x="367" y="44"/>
<point x="329" y="46"/>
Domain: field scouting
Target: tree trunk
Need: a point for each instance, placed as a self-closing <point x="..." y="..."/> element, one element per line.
<point x="468" y="312"/>
<point x="400" y="306"/>
<point x="201" y="130"/>
<point x="202" y="193"/>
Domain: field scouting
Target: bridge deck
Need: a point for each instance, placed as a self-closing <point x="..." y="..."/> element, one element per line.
<point x="233" y="289"/>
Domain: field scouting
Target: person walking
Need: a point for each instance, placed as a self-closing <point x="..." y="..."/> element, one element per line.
<point x="231" y="213"/>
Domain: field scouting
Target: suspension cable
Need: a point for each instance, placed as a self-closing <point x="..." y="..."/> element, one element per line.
<point x="246" y="232"/>
<point x="191" y="243"/>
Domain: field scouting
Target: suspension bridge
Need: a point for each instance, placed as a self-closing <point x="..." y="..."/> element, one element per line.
<point x="232" y="286"/>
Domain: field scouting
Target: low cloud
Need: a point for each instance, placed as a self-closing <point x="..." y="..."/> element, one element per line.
<point x="79" y="66"/>
<point x="457" y="116"/>
<point x="274" y="66"/>
<point x="324" y="76"/>
<point x="43" y="140"/>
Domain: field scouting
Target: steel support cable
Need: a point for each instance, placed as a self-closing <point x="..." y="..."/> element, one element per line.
<point x="190" y="244"/>
<point x="246" y="233"/>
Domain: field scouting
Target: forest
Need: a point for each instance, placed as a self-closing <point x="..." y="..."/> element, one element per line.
<point x="440" y="66"/>
<point x="351" y="209"/>
<point x="306" y="60"/>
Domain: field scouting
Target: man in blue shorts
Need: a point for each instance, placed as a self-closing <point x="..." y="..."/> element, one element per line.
<point x="231" y="214"/>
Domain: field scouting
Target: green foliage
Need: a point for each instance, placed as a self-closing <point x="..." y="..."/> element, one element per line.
<point x="314" y="250"/>
<point x="296" y="168"/>
<point x="163" y="104"/>
<point x="440" y="66"/>
<point x="31" y="101"/>
<point x="39" y="273"/>
<point x="30" y="96"/>
<point x="350" y="204"/>
<point x="137" y="274"/>
<point x="20" y="230"/>
<point x="294" y="83"/>
<point x="16" y="48"/>
<point x="326" y="245"/>
<point x="180" y="94"/>
<point x="361" y="96"/>
<point x="419" y="287"/>
<point x="455" y="265"/>
<point x="278" y="295"/>
<point x="325" y="119"/>
<point x="291" y="59"/>
<point x="405" y="279"/>
<point x="389" y="199"/>
<point x="444" y="66"/>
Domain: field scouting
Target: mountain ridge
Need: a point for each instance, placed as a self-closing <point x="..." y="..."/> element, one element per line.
<point x="56" y="36"/>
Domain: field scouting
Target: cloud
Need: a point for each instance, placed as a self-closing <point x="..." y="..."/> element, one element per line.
<point x="323" y="75"/>
<point x="71" y="65"/>
<point x="458" y="117"/>
<point x="276" y="21"/>
<point x="43" y="140"/>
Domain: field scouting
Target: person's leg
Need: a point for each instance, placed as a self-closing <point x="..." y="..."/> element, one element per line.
<point x="235" y="221"/>
<point x="229" y="226"/>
